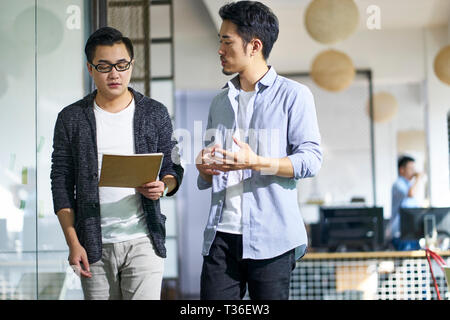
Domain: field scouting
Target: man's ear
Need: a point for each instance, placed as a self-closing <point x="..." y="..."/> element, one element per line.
<point x="257" y="46"/>
<point x="89" y="66"/>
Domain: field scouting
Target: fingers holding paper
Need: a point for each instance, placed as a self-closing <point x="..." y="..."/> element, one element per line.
<point x="152" y="190"/>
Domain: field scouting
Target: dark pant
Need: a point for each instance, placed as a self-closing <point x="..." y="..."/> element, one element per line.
<point x="225" y="275"/>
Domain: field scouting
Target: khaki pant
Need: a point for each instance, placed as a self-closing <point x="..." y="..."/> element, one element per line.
<point x="128" y="270"/>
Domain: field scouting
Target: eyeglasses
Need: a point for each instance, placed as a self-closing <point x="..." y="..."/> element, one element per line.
<point x="107" y="67"/>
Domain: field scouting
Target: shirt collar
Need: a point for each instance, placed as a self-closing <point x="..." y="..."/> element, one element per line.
<point x="264" y="82"/>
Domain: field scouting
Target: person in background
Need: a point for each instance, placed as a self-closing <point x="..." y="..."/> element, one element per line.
<point x="404" y="193"/>
<point x="115" y="236"/>
<point x="266" y="137"/>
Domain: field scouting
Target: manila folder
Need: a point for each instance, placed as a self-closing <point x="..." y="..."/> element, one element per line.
<point x="129" y="171"/>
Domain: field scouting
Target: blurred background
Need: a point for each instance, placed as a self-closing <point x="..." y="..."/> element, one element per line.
<point x="379" y="71"/>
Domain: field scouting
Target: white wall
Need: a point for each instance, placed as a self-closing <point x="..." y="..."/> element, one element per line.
<point x="196" y="44"/>
<point x="410" y="116"/>
<point x="438" y="108"/>
<point x="394" y="55"/>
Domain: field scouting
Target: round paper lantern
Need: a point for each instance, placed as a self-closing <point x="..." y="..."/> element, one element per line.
<point x="385" y="107"/>
<point x="442" y="65"/>
<point x="333" y="70"/>
<point x="330" y="21"/>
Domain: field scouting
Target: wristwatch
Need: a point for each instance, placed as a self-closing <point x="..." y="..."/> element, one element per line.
<point x="166" y="188"/>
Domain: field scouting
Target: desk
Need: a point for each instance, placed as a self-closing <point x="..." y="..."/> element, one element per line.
<point x="383" y="275"/>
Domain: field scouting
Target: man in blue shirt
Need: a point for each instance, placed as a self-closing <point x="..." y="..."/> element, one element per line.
<point x="262" y="135"/>
<point x="404" y="191"/>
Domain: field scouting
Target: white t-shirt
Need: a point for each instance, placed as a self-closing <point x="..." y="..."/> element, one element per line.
<point x="231" y="221"/>
<point x="122" y="216"/>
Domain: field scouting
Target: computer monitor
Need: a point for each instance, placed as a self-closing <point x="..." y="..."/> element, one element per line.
<point x="352" y="228"/>
<point x="412" y="222"/>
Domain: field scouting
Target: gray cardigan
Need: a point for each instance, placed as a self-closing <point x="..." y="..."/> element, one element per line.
<point x="74" y="172"/>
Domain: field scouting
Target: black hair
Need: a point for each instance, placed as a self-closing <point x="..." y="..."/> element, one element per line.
<point x="403" y="161"/>
<point x="106" y="36"/>
<point x="253" y="20"/>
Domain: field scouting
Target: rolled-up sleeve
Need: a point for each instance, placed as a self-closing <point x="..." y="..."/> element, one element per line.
<point x="201" y="183"/>
<point x="303" y="134"/>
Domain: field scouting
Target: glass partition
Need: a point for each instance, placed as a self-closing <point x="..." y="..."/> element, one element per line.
<point x="61" y="78"/>
<point x="18" y="155"/>
<point x="43" y="44"/>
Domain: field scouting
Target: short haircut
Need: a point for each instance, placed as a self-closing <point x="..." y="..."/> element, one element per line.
<point x="403" y="161"/>
<point x="106" y="36"/>
<point x="253" y="20"/>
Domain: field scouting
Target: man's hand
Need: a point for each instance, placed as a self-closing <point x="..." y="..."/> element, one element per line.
<point x="412" y="192"/>
<point x="77" y="254"/>
<point x="152" y="190"/>
<point x="418" y="175"/>
<point x="245" y="158"/>
<point x="79" y="261"/>
<point x="204" y="162"/>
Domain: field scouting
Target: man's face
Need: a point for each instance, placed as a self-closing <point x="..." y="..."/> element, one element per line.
<point x="408" y="170"/>
<point x="233" y="56"/>
<point x="111" y="84"/>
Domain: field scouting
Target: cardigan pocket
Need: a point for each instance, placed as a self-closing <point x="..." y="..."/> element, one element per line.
<point x="87" y="210"/>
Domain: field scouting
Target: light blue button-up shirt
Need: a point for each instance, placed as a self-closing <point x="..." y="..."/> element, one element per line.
<point x="283" y="124"/>
<point x="400" y="199"/>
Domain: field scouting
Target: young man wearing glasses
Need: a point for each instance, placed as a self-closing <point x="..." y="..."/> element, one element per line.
<point x="266" y="137"/>
<point x="115" y="235"/>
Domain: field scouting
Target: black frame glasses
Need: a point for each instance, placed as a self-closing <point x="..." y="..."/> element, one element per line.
<point x="108" y="66"/>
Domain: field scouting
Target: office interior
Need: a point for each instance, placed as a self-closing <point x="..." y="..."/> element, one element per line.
<point x="388" y="94"/>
